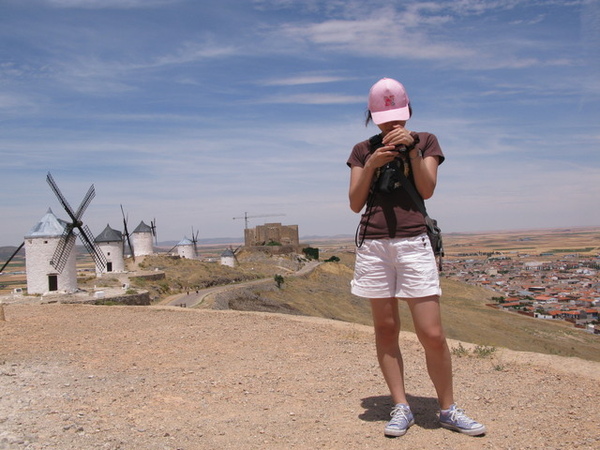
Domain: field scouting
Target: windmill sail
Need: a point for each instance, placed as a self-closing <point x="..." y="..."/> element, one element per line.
<point x="67" y="240"/>
<point x="126" y="231"/>
<point x="12" y="256"/>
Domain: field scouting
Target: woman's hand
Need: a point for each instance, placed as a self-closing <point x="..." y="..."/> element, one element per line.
<point x="398" y="135"/>
<point x="381" y="157"/>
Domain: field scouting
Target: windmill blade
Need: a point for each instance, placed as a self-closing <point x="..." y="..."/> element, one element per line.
<point x="12" y="256"/>
<point x="61" y="197"/>
<point x="126" y="231"/>
<point x="234" y="253"/>
<point x="63" y="249"/>
<point x="67" y="240"/>
<point x="91" y="193"/>
<point x="87" y="238"/>
<point x="195" y="240"/>
<point x="153" y="228"/>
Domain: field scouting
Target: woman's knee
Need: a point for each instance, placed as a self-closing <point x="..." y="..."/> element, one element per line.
<point x="433" y="339"/>
<point x="387" y="331"/>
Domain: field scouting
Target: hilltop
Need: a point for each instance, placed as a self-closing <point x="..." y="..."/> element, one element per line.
<point x="325" y="292"/>
<point x="157" y="377"/>
<point x="82" y="377"/>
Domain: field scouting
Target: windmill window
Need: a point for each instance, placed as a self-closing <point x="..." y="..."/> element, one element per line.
<point x="45" y="242"/>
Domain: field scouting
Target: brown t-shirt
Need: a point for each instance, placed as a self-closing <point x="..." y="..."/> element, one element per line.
<point x="394" y="215"/>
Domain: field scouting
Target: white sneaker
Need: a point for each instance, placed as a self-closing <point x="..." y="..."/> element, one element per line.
<point x="402" y="419"/>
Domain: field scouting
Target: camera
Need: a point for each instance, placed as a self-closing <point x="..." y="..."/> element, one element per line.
<point x="388" y="176"/>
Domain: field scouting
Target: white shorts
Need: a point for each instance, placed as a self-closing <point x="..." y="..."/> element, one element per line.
<point x="401" y="268"/>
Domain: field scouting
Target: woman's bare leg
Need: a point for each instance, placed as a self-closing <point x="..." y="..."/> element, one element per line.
<point x="386" y="321"/>
<point x="427" y="318"/>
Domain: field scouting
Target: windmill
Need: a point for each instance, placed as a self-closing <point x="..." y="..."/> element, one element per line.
<point x="235" y="253"/>
<point x="12" y="256"/>
<point x="229" y="258"/>
<point x="126" y="233"/>
<point x="67" y="240"/>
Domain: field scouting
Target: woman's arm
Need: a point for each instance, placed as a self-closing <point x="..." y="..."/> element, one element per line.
<point x="424" y="172"/>
<point x="362" y="177"/>
<point x="424" y="169"/>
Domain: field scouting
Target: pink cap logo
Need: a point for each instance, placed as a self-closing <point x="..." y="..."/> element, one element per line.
<point x="388" y="101"/>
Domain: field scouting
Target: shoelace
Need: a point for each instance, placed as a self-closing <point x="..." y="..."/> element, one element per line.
<point x="458" y="416"/>
<point x="399" y="414"/>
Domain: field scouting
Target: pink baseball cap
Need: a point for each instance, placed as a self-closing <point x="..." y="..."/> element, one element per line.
<point x="388" y="101"/>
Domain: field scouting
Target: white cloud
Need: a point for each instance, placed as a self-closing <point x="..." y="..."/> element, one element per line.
<point x="303" y="80"/>
<point x="313" y="99"/>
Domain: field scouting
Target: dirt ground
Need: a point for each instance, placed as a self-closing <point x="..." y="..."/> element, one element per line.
<point x="86" y="377"/>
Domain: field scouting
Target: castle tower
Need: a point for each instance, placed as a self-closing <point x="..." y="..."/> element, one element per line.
<point x="110" y="242"/>
<point x="142" y="240"/>
<point x="185" y="249"/>
<point x="40" y="244"/>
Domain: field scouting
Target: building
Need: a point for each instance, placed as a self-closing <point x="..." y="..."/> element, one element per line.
<point x="142" y="240"/>
<point x="110" y="243"/>
<point x="272" y="234"/>
<point x="40" y="244"/>
<point x="186" y="249"/>
<point x="228" y="258"/>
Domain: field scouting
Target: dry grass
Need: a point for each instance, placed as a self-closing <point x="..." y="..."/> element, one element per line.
<point x="325" y="293"/>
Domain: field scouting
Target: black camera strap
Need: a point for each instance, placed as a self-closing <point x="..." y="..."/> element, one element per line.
<point x="358" y="240"/>
<point x="420" y="204"/>
<point x="414" y="195"/>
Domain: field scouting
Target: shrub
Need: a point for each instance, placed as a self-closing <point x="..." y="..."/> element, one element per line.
<point x="483" y="351"/>
<point x="278" y="280"/>
<point x="460" y="351"/>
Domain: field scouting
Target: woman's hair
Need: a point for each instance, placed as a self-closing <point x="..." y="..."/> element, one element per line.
<point x="369" y="118"/>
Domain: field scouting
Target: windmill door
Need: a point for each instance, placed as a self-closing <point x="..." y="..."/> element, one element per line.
<point x="109" y="267"/>
<point x="53" y="283"/>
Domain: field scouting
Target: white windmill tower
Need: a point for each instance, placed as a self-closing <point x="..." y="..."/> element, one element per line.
<point x="143" y="239"/>
<point x="229" y="258"/>
<point x="40" y="244"/>
<point x="49" y="247"/>
<point x="185" y="249"/>
<point x="110" y="243"/>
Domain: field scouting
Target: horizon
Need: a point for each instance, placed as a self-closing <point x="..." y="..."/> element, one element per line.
<point x="195" y="114"/>
<point x="304" y="238"/>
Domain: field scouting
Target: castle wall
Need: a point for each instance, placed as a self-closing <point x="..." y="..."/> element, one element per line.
<point x="272" y="232"/>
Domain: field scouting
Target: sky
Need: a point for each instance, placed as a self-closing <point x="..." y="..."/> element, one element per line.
<point x="193" y="113"/>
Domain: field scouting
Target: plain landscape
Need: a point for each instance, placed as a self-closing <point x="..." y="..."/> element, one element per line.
<point x="164" y="377"/>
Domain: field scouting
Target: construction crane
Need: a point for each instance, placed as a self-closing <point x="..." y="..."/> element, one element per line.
<point x="246" y="217"/>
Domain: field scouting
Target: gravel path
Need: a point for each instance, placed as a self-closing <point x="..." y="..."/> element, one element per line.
<point x="86" y="377"/>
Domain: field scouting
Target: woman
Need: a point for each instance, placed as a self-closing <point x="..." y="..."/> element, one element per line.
<point x="394" y="260"/>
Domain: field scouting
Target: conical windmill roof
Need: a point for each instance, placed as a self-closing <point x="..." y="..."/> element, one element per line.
<point x="109" y="235"/>
<point x="185" y="241"/>
<point x="48" y="226"/>
<point x="143" y="228"/>
<point x="227" y="254"/>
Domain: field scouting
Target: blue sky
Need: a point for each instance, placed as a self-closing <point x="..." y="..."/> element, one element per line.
<point x="196" y="112"/>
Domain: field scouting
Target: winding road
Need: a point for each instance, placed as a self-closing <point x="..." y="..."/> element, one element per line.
<point x="192" y="299"/>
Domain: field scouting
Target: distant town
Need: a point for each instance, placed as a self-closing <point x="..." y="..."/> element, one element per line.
<point x="558" y="285"/>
